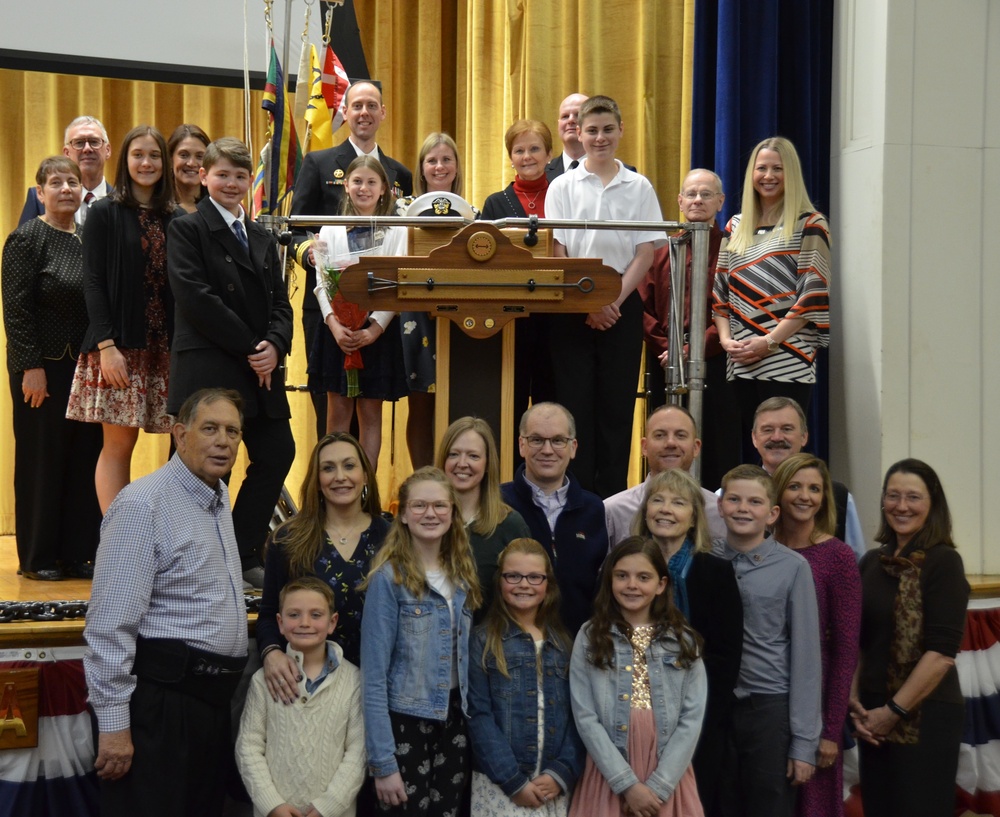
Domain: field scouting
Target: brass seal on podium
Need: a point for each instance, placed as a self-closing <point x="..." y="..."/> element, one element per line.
<point x="481" y="246"/>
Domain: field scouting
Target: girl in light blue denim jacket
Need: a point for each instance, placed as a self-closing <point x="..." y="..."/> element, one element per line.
<point x="638" y="687"/>
<point x="415" y="652"/>
<point x="526" y="751"/>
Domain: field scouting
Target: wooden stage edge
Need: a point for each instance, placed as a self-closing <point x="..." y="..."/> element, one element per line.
<point x="67" y="633"/>
<point x="70" y="633"/>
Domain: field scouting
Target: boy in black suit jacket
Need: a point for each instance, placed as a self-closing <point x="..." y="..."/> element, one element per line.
<point x="233" y="327"/>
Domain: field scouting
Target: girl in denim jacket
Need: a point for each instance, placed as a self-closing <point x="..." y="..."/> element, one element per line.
<point x="638" y="688"/>
<point x="414" y="650"/>
<point x="526" y="751"/>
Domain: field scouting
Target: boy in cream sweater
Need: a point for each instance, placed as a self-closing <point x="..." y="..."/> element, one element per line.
<point x="290" y="754"/>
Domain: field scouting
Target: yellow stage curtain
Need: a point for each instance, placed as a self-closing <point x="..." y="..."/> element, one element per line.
<point x="467" y="67"/>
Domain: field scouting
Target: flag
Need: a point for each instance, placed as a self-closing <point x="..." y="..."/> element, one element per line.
<point x="335" y="85"/>
<point x="317" y="114"/>
<point x="260" y="196"/>
<point x="286" y="155"/>
<point x="303" y="81"/>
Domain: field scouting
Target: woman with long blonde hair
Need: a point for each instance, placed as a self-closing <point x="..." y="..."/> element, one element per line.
<point x="468" y="456"/>
<point x="772" y="283"/>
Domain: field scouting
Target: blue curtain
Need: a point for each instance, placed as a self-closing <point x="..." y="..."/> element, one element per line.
<point x="763" y="68"/>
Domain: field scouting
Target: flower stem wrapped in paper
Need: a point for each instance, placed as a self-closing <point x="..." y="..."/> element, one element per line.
<point x="336" y="249"/>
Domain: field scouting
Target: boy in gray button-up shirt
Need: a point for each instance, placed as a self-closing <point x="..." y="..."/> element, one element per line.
<point x="777" y="717"/>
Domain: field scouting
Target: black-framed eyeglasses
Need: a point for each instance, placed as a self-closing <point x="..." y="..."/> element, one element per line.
<point x="536" y="443"/>
<point x="534" y="579"/>
<point x="95" y="142"/>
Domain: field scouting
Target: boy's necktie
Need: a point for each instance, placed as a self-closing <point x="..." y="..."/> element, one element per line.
<point x="241" y="234"/>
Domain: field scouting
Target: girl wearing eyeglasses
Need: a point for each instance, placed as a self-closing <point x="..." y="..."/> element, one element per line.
<point x="415" y="652"/>
<point x="526" y="752"/>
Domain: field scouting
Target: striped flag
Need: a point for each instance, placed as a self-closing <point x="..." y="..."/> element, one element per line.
<point x="316" y="113"/>
<point x="260" y="199"/>
<point x="335" y="85"/>
<point x="286" y="155"/>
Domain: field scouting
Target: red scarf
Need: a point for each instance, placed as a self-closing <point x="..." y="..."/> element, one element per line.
<point x="532" y="193"/>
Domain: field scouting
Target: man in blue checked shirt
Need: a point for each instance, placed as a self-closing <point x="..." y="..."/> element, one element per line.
<point x="167" y="628"/>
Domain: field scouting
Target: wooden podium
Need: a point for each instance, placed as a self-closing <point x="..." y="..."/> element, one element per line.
<point x="476" y="281"/>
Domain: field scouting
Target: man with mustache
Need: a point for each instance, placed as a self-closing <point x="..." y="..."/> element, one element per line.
<point x="779" y="430"/>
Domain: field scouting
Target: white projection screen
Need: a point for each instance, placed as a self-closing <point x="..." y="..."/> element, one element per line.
<point x="185" y="41"/>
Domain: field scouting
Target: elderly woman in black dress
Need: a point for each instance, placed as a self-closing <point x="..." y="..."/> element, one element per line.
<point x="57" y="518"/>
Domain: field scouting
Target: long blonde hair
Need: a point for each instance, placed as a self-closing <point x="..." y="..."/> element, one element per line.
<point x="796" y="199"/>
<point x="456" y="558"/>
<point x="499" y="620"/>
<point x="431" y="142"/>
<point x="492" y="509"/>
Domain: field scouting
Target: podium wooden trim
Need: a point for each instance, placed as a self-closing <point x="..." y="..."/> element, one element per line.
<point x="448" y="275"/>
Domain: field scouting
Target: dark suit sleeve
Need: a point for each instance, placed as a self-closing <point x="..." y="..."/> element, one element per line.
<point x="717" y="614"/>
<point x="32" y="207"/>
<point x="194" y="294"/>
<point x="308" y="200"/>
<point x="96" y="266"/>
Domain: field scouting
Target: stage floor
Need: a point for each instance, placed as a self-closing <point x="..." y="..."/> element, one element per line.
<point x="18" y="588"/>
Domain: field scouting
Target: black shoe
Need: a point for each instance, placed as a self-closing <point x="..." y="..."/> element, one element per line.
<point x="80" y="570"/>
<point x="52" y="575"/>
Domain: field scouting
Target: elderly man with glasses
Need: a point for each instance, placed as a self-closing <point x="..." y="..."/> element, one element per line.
<point x="86" y="143"/>
<point x="567" y="520"/>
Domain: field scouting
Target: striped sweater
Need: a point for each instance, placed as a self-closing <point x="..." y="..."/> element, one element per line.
<point x="778" y="276"/>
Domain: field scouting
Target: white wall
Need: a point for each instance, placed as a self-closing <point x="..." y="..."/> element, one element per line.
<point x="916" y="171"/>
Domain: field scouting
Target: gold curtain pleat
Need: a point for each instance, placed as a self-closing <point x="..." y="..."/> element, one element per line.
<point x="467" y="67"/>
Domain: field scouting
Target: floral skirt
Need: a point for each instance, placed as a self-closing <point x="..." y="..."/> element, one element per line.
<point x="142" y="404"/>
<point x="594" y="798"/>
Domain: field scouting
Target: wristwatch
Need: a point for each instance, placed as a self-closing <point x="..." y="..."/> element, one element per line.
<point x="772" y="345"/>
